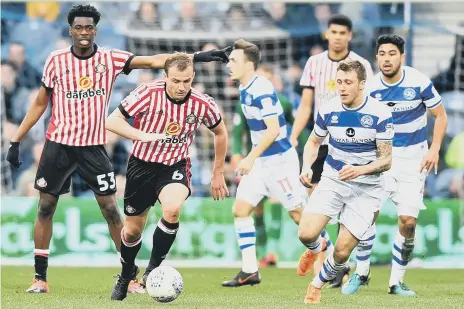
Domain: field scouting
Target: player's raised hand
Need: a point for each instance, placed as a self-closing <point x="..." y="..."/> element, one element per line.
<point x="349" y="172"/>
<point x="219" y="188"/>
<point x="212" y="55"/>
<point x="151" y="137"/>
<point x="13" y="155"/>
<point x="245" y="166"/>
<point x="430" y="162"/>
<point x="306" y="176"/>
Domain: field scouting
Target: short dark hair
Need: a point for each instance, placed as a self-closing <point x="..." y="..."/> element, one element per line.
<point x="250" y="50"/>
<point x="353" y="65"/>
<point x="341" y="20"/>
<point x="80" y="10"/>
<point x="180" y="60"/>
<point x="390" y="39"/>
<point x="10" y="63"/>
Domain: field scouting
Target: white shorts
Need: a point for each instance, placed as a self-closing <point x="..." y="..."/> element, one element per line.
<point x="276" y="176"/>
<point x="406" y="191"/>
<point x="353" y="203"/>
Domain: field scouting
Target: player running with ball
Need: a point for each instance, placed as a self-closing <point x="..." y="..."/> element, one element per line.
<point x="167" y="114"/>
<point x="351" y="187"/>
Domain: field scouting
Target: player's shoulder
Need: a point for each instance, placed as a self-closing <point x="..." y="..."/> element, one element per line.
<point x="260" y="86"/>
<point x="59" y="52"/>
<point x="376" y="108"/>
<point x="333" y="105"/>
<point x="201" y="97"/>
<point x="320" y="56"/>
<point x="153" y="86"/>
<point x="414" y="76"/>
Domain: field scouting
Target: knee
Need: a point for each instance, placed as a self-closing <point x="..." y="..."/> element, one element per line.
<point x="46" y="209"/>
<point x="171" y="213"/>
<point x="242" y="209"/>
<point x="132" y="232"/>
<point x="306" y="234"/>
<point x="342" y="253"/>
<point x="296" y="215"/>
<point x="408" y="224"/>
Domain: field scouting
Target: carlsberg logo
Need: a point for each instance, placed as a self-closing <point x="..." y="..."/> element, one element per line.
<point x="84" y="94"/>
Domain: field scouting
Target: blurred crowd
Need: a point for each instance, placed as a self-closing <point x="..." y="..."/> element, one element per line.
<point x="30" y="31"/>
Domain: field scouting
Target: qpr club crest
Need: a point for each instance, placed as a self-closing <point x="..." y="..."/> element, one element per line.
<point x="367" y="121"/>
<point x="409" y="93"/>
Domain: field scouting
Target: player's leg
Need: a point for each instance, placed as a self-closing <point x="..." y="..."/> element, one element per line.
<point x="52" y="179"/>
<point x="359" y="212"/>
<point x="173" y="187"/>
<point x="317" y="169"/>
<point x="261" y="236"/>
<point x="409" y="200"/>
<point x="273" y="233"/>
<point x="131" y="242"/>
<point x="140" y="194"/>
<point x="95" y="168"/>
<point x="333" y="264"/>
<point x="250" y="192"/>
<point x="324" y="204"/>
<point x="363" y="253"/>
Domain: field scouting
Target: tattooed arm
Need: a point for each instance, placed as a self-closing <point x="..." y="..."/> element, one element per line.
<point x="382" y="164"/>
<point x="384" y="159"/>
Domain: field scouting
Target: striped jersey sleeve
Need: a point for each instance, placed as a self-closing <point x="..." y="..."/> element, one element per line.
<point x="384" y="128"/>
<point x="121" y="61"/>
<point x="137" y="101"/>
<point x="212" y="116"/>
<point x="49" y="73"/>
<point x="320" y="127"/>
<point x="429" y="94"/>
<point x="308" y="77"/>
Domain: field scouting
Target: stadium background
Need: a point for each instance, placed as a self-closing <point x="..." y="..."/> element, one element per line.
<point x="287" y="33"/>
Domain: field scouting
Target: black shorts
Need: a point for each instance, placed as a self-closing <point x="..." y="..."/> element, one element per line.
<point x="318" y="165"/>
<point x="59" y="161"/>
<point x="145" y="180"/>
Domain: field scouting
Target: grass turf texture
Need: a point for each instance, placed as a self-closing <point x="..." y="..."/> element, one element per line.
<point x="281" y="288"/>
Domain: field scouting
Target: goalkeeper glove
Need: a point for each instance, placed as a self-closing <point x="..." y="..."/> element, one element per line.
<point x="212" y="55"/>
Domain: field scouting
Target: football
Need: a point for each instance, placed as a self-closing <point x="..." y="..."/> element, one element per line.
<point x="164" y="284"/>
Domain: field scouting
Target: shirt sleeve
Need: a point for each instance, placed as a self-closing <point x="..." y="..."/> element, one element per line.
<point x="307" y="78"/>
<point x="212" y="117"/>
<point x="320" y="127"/>
<point x="369" y="71"/>
<point x="430" y="95"/>
<point x="49" y="76"/>
<point x="137" y="101"/>
<point x="121" y="61"/>
<point x="384" y="129"/>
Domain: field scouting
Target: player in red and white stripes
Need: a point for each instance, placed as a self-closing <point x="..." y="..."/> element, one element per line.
<point x="167" y="114"/>
<point x="79" y="81"/>
<point x="319" y="86"/>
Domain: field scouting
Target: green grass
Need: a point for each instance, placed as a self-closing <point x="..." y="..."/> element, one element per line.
<point x="281" y="288"/>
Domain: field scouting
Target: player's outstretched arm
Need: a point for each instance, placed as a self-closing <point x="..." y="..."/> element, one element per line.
<point x="36" y="110"/>
<point x="302" y="115"/>
<point x="158" y="61"/>
<point x="309" y="156"/>
<point x="218" y="185"/>
<point x="430" y="160"/>
<point x="117" y="123"/>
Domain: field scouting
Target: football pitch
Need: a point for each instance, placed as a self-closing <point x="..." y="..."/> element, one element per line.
<point x="281" y="288"/>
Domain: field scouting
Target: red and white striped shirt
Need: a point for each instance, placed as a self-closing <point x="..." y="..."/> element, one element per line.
<point x="154" y="112"/>
<point x="320" y="72"/>
<point x="81" y="91"/>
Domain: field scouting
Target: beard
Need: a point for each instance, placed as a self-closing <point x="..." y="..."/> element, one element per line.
<point x="393" y="73"/>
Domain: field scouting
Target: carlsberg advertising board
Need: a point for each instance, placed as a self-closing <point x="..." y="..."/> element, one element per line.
<point x="207" y="237"/>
